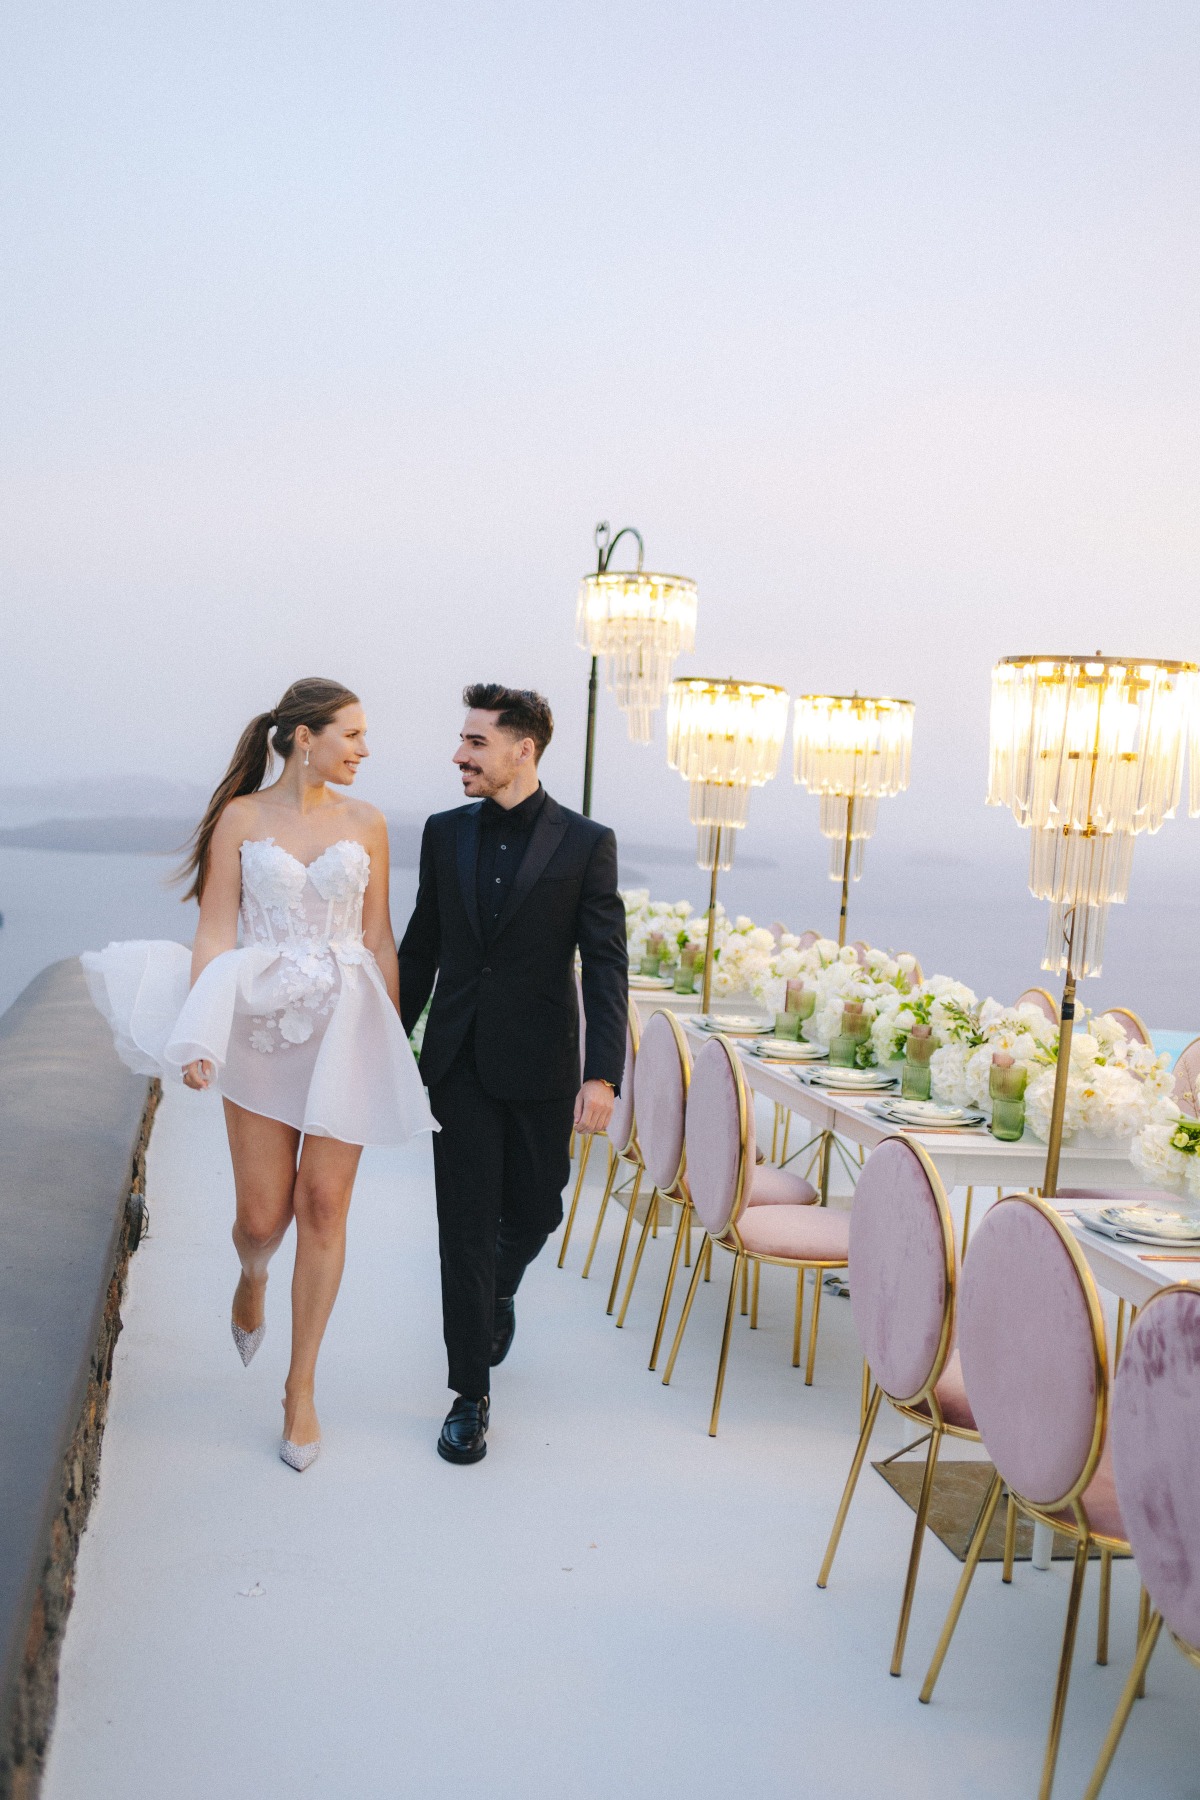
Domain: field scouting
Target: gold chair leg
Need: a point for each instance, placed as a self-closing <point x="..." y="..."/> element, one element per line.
<point x="960" y="1593"/>
<point x="787" y="1127"/>
<point x="966" y="1231"/>
<point x="1143" y="1621"/>
<point x="745" y="1286"/>
<point x="754" y="1297"/>
<point x="1078" y="1576"/>
<point x="629" y="1217"/>
<point x="648" y="1223"/>
<point x="866" y="1394"/>
<point x="1010" y="1540"/>
<point x="1129" y="1693"/>
<point x="914" y="1555"/>
<point x="1106" y="1563"/>
<point x="860" y="1451"/>
<point x="775" y="1130"/>
<point x="708" y="1261"/>
<point x="1119" y="1339"/>
<point x="685" y="1220"/>
<point x="799" y="1318"/>
<point x="693" y="1284"/>
<point x="584" y="1154"/>
<point x="818" y="1278"/>
<point x="687" y="1242"/>
<point x="739" y="1264"/>
<point x="614" y="1163"/>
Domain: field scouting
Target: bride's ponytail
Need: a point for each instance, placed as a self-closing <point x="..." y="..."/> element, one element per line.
<point x="312" y="702"/>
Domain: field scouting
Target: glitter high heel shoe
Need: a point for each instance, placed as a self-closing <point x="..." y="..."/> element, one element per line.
<point x="247" y="1341"/>
<point x="299" y="1456"/>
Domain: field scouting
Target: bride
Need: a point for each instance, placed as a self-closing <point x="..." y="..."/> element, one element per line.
<point x="299" y="1029"/>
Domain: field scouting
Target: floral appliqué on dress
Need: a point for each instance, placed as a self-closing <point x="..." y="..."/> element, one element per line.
<point x="278" y="910"/>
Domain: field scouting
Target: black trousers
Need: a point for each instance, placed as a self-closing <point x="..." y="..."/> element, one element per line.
<point x="499" y="1171"/>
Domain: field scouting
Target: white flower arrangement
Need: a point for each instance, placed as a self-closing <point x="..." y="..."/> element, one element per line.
<point x="1114" y="1089"/>
<point x="1167" y="1149"/>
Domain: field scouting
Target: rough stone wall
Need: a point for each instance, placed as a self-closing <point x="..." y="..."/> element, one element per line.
<point x="22" y="1757"/>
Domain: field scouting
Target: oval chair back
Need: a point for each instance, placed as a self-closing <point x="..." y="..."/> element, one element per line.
<point x="902" y="1270"/>
<point x="1031" y="1337"/>
<point x="660" y="1090"/>
<point x="902" y="1278"/>
<point x="720" y="1138"/>
<point x="1187" y="1079"/>
<point x="861" y="948"/>
<point x="1042" y="999"/>
<point x="808" y="939"/>
<point x="1156" y="1454"/>
<point x="1135" y="1028"/>
<point x="622" y="1129"/>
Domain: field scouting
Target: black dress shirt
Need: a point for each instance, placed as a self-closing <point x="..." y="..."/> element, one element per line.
<point x="503" y="840"/>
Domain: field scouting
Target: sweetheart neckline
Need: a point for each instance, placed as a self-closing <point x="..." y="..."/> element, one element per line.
<point x="306" y="866"/>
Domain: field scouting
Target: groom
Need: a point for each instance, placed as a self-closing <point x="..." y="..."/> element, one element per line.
<point x="510" y="885"/>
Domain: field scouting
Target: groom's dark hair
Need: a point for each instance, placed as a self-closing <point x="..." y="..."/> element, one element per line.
<point x="524" y="713"/>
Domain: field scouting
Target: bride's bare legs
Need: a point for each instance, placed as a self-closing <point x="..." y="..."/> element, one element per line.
<point x="324" y="1184"/>
<point x="264" y="1175"/>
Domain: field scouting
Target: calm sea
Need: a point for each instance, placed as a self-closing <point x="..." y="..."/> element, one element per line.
<point x="976" y="923"/>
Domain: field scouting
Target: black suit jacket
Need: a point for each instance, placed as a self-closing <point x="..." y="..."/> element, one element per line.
<point x="519" y="987"/>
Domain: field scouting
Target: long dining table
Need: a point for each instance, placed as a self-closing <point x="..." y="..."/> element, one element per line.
<point x="966" y="1158"/>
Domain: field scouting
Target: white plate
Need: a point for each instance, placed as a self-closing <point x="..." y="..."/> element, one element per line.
<point x="928" y="1112"/>
<point x="736" y="1024"/>
<point x="781" y="1050"/>
<point x="1147" y="1225"/>
<point x="833" y="1080"/>
<point x="888" y="1113"/>
<point x="855" y="1077"/>
<point x="644" y="982"/>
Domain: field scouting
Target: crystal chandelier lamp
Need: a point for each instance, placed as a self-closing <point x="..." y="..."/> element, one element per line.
<point x="724" y="737"/>
<point x="852" y="750"/>
<point x="639" y="623"/>
<point x="1087" y="753"/>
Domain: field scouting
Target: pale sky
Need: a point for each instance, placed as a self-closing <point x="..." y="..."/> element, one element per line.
<point x="329" y="333"/>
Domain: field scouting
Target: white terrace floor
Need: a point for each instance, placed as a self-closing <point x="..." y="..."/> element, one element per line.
<point x="611" y="1604"/>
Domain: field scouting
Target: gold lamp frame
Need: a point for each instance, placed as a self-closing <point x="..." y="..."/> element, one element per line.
<point x="852" y="750"/>
<point x="724" y="738"/>
<point x="1088" y="752"/>
<point x="639" y="622"/>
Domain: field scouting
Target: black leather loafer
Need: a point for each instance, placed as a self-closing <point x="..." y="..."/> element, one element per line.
<point x="504" y="1325"/>
<point x="464" y="1435"/>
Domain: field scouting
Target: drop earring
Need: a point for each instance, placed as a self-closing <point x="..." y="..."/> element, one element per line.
<point x="306" y="759"/>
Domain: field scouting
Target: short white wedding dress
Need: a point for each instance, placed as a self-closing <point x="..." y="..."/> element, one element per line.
<point x="296" y="1020"/>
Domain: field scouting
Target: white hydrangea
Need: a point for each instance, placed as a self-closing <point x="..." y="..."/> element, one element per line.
<point x="1153" y="1152"/>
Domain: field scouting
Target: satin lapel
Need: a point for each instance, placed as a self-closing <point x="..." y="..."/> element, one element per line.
<point x="548" y="834"/>
<point x="468" y="860"/>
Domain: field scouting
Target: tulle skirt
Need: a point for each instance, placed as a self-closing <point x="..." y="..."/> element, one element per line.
<point x="343" y="1070"/>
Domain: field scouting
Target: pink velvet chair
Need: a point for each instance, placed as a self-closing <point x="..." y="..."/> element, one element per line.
<point x="1187" y="1079"/>
<point x="660" y="1088"/>
<point x="902" y="1289"/>
<point x="1155" y="1436"/>
<point x="622" y="1142"/>
<point x="1031" y="1337"/>
<point x="757" y="1212"/>
<point x="1135" y="1028"/>
<point x="1042" y="999"/>
<point x="808" y="939"/>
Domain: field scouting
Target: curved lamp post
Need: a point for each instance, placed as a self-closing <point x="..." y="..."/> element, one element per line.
<point x="639" y="622"/>
<point x="852" y="750"/>
<point x="724" y="737"/>
<point x="1087" y="752"/>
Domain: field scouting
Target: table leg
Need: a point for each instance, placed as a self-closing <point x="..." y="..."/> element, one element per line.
<point x="1043" y="1545"/>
